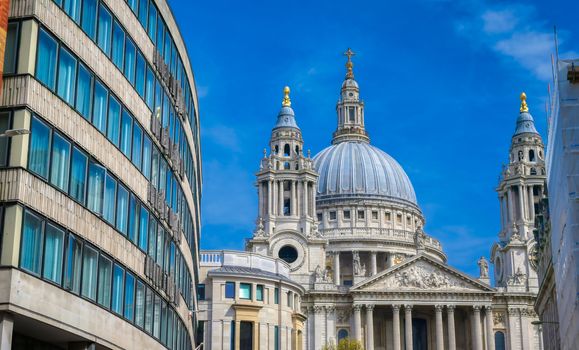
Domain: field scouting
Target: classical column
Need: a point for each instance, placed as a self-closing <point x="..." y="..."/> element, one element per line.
<point x="525" y="338"/>
<point x="6" y="327"/>
<point x="503" y="211"/>
<point x="369" y="327"/>
<point x="489" y="324"/>
<point x="298" y="199"/>
<point x="337" y="268"/>
<point x="450" y="325"/>
<point x="305" y="193"/>
<point x="396" y="326"/>
<point x="373" y="264"/>
<point x="269" y="197"/>
<point x="293" y="199"/>
<point x="510" y="204"/>
<point x="260" y="199"/>
<point x="357" y="322"/>
<point x="280" y="199"/>
<point x="319" y="326"/>
<point x="477" y="336"/>
<point x="439" y="331"/>
<point x="531" y="198"/>
<point x="521" y="204"/>
<point x="331" y="324"/>
<point x="408" y="326"/>
<point x="390" y="260"/>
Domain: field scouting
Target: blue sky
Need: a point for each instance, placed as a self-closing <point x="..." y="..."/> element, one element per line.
<point x="441" y="82"/>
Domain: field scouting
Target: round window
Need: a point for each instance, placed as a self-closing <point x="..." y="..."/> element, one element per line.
<point x="288" y="254"/>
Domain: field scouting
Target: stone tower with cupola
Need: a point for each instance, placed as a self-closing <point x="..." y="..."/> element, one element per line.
<point x="520" y="189"/>
<point x="286" y="224"/>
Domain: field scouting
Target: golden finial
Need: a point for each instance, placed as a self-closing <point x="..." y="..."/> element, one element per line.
<point x="524" y="107"/>
<point x="349" y="65"/>
<point x="286" y="99"/>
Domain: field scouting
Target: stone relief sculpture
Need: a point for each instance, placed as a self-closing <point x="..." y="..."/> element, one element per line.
<point x="518" y="278"/>
<point x="424" y="276"/>
<point x="483" y="267"/>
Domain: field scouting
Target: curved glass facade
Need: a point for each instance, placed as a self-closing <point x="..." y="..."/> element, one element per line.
<point x="104" y="215"/>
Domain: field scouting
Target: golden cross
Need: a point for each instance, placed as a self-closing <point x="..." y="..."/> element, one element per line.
<point x="349" y="54"/>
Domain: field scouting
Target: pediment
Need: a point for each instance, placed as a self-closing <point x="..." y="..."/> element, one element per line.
<point x="422" y="273"/>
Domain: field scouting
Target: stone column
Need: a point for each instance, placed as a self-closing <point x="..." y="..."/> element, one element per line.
<point x="521" y="204"/>
<point x="396" y="326"/>
<point x="510" y="204"/>
<point x="6" y="327"/>
<point x="477" y="334"/>
<point x="331" y="324"/>
<point x="260" y="199"/>
<point x="306" y="214"/>
<point x="280" y="199"/>
<point x="513" y="319"/>
<point x="439" y="329"/>
<point x="373" y="265"/>
<point x="503" y="211"/>
<point x="337" y="268"/>
<point x="369" y="327"/>
<point x="489" y="325"/>
<point x="357" y="322"/>
<point x="390" y="260"/>
<point x="298" y="198"/>
<point x="531" y="198"/>
<point x="408" y="326"/>
<point x="269" y="197"/>
<point x="525" y="338"/>
<point x="293" y="199"/>
<point x="451" y="331"/>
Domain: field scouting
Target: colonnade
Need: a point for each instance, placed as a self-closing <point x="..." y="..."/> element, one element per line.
<point x="271" y="197"/>
<point x="477" y="337"/>
<point x="517" y="207"/>
<point x="373" y="264"/>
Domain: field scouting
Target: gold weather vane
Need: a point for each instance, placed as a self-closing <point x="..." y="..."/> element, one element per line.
<point x="286" y="99"/>
<point x="349" y="65"/>
<point x="524" y="107"/>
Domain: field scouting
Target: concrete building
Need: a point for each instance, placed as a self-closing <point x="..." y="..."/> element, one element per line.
<point x="248" y="301"/>
<point x="563" y="224"/>
<point x="348" y="224"/>
<point x="100" y="180"/>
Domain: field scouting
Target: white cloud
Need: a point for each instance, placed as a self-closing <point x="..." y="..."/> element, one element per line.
<point x="501" y="21"/>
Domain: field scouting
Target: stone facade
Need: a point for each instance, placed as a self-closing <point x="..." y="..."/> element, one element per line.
<point x="99" y="223"/>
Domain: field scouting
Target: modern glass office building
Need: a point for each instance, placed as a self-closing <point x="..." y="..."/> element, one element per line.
<point x="100" y="178"/>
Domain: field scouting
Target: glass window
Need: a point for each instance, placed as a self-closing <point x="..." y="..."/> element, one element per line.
<point x="89" y="12"/>
<point x="83" y="91"/>
<point x="11" y="54"/>
<point x="152" y="21"/>
<point x="200" y="291"/>
<point x="140" y="75"/>
<point x="160" y="34"/>
<point x="46" y="59"/>
<point x="150" y="89"/>
<point x="78" y="175"/>
<point x="89" y="272"/>
<point x="113" y="132"/>
<point x="73" y="265"/>
<point x="104" y="30"/>
<point x="118" y="45"/>
<point x="230" y="290"/>
<point x="118" y="279"/>
<point x="60" y="161"/>
<point x="31" y="246"/>
<point x="143" y="7"/>
<point x="122" y="209"/>
<point x="129" y="69"/>
<point x="149" y="310"/>
<point x="5" y="122"/>
<point x="137" y="152"/>
<point x="72" y="8"/>
<point x="134" y="5"/>
<point x="96" y="184"/>
<point x="276" y="296"/>
<point x="245" y="291"/>
<point x="109" y="199"/>
<point x="99" y="116"/>
<point x="140" y="304"/>
<point x="39" y="148"/>
<point x="129" y="296"/>
<point x="134" y="211"/>
<point x="143" y="228"/>
<point x="259" y="292"/>
<point x="276" y="337"/>
<point x="147" y="157"/>
<point x="152" y="238"/>
<point x="157" y="317"/>
<point x="66" y="75"/>
<point x="126" y="126"/>
<point x="105" y="278"/>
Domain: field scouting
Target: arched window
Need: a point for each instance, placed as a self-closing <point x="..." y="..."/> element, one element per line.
<point x="286" y="150"/>
<point x="276" y="149"/>
<point x="286" y="166"/>
<point x="342" y="334"/>
<point x="533" y="171"/>
<point x="297" y="149"/>
<point x="531" y="156"/>
<point x="499" y="341"/>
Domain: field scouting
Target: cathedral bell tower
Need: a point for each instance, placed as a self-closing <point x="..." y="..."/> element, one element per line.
<point x="520" y="189"/>
<point x="286" y="224"/>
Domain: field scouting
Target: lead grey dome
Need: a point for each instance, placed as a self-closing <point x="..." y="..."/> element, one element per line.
<point x="352" y="169"/>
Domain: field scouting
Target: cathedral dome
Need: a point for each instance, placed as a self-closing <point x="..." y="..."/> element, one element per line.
<point x="351" y="169"/>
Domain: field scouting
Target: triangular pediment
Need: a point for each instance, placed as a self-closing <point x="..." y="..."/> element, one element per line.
<point x="421" y="273"/>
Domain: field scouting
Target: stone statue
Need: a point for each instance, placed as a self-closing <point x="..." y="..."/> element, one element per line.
<point x="483" y="267"/>
<point x="363" y="270"/>
<point x="259" y="228"/>
<point x="327" y="276"/>
<point x="356" y="263"/>
<point x="521" y="156"/>
<point x="419" y="238"/>
<point x="319" y="275"/>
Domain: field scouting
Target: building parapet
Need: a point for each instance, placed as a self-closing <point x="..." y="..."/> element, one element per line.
<point x="218" y="258"/>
